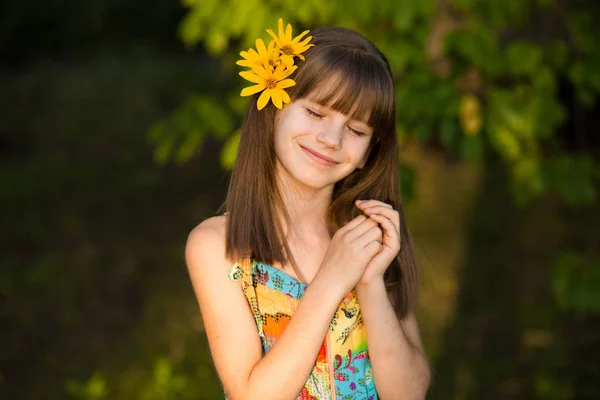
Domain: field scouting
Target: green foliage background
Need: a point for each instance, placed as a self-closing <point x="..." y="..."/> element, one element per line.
<point x="499" y="62"/>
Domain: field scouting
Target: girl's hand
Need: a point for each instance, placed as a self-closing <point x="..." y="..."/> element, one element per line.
<point x="389" y="220"/>
<point x="351" y="249"/>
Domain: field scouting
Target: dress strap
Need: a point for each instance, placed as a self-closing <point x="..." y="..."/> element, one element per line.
<point x="243" y="271"/>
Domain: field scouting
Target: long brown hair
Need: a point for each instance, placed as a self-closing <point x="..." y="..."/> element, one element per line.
<point x="346" y="72"/>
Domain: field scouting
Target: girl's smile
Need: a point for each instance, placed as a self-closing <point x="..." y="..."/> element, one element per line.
<point x="319" y="158"/>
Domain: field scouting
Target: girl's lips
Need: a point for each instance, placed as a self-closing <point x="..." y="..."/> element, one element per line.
<point x="318" y="158"/>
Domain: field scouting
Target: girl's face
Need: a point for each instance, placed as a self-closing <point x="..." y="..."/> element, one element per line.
<point x="318" y="146"/>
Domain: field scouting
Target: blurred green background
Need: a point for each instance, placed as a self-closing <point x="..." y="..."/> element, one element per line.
<point x="118" y="128"/>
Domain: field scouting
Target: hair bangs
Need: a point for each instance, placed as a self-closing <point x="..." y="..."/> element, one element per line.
<point x="349" y="82"/>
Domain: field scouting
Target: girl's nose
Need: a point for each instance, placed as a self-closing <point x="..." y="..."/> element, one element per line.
<point x="331" y="136"/>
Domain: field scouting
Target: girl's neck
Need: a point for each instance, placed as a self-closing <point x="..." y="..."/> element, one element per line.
<point x="306" y="207"/>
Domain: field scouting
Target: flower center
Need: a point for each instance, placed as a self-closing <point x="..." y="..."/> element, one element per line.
<point x="270" y="83"/>
<point x="287" y="49"/>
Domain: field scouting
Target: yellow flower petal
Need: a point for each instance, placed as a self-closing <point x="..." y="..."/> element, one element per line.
<point x="285" y="97"/>
<point x="286" y="84"/>
<point x="263" y="99"/>
<point x="251" y="76"/>
<point x="276" y="98"/>
<point x="303" y="49"/>
<point x="304" y="42"/>
<point x="260" y="45"/>
<point x="270" y="32"/>
<point x="249" y="91"/>
<point x="281" y="73"/>
<point x="280" y="26"/>
<point x="288" y="32"/>
<point x="287" y="60"/>
<point x="297" y="38"/>
<point x="289" y="72"/>
<point x="250" y="55"/>
<point x="251" y="58"/>
<point x="246" y="63"/>
<point x="261" y="72"/>
<point x="271" y="65"/>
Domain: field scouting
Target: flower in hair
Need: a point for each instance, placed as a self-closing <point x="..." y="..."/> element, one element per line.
<point x="290" y="47"/>
<point x="272" y="82"/>
<point x="271" y="65"/>
<point x="265" y="57"/>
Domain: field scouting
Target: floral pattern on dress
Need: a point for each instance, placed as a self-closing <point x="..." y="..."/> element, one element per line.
<point x="274" y="298"/>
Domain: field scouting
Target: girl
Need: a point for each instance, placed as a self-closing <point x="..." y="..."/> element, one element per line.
<point x="307" y="283"/>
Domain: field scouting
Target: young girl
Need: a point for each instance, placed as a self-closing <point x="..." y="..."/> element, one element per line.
<point x="307" y="283"/>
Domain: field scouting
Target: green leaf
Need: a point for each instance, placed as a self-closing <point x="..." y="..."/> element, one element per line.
<point x="190" y="145"/>
<point x="478" y="46"/>
<point x="449" y="132"/>
<point x="163" y="152"/>
<point x="229" y="150"/>
<point x="557" y="54"/>
<point x="94" y="389"/>
<point x="505" y="142"/>
<point x="216" y="43"/>
<point x="524" y="58"/>
<point x="527" y="178"/>
<point x="213" y="116"/>
<point x="472" y="148"/>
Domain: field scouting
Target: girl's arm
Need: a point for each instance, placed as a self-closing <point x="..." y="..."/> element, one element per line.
<point x="232" y="335"/>
<point x="400" y="367"/>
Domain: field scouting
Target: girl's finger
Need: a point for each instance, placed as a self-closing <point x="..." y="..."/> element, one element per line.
<point x="389" y="230"/>
<point x="371" y="203"/>
<point x="373" y="234"/>
<point x="355" y="222"/>
<point x="390" y="213"/>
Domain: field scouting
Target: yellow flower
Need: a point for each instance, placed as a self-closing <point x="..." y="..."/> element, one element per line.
<point x="272" y="82"/>
<point x="290" y="47"/>
<point x="265" y="57"/>
<point x="470" y="115"/>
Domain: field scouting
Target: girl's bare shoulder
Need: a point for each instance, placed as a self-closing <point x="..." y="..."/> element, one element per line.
<point x="212" y="228"/>
<point x="206" y="244"/>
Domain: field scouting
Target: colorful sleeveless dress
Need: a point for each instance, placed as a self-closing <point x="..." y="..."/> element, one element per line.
<point x="342" y="368"/>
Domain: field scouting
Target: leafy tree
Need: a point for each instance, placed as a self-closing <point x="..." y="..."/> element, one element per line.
<point x="473" y="76"/>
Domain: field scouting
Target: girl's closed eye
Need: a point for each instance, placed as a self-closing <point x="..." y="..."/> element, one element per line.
<point x="313" y="114"/>
<point x="357" y="133"/>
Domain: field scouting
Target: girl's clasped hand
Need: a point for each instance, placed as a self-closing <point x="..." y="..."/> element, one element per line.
<point x="361" y="251"/>
<point x="389" y="221"/>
